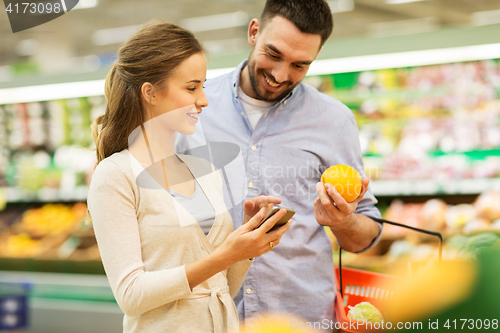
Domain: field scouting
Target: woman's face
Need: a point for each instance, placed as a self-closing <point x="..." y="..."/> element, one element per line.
<point x="182" y="98"/>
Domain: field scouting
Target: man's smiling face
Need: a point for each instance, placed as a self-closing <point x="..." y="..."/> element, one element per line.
<point x="280" y="57"/>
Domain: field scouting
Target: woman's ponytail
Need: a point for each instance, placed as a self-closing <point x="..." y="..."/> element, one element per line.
<point x="151" y="54"/>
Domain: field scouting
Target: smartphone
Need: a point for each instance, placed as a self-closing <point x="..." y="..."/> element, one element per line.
<point x="288" y="215"/>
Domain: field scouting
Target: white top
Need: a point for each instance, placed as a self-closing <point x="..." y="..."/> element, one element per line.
<point x="255" y="108"/>
<point x="197" y="205"/>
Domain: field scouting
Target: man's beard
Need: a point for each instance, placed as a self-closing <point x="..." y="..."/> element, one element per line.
<point x="267" y="96"/>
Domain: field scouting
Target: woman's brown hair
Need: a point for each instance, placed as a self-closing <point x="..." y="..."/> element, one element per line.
<point x="151" y="55"/>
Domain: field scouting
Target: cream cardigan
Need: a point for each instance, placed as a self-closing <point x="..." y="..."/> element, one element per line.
<point x="146" y="238"/>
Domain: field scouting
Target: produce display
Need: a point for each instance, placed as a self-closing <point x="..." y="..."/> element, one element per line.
<point x="52" y="231"/>
<point x="429" y="122"/>
<point x="52" y="219"/>
<point x="46" y="156"/>
<point x="44" y="147"/>
<point x="467" y="229"/>
<point x="482" y="215"/>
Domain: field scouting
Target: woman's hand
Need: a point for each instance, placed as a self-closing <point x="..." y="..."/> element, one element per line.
<point x="245" y="242"/>
<point x="254" y="205"/>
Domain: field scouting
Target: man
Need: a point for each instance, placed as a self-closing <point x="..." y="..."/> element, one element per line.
<point x="289" y="133"/>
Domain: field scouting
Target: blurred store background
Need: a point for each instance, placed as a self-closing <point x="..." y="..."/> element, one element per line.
<point x="422" y="78"/>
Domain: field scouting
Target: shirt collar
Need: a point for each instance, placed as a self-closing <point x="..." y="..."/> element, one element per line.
<point x="236" y="82"/>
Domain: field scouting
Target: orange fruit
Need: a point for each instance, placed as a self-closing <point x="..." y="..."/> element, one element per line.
<point x="346" y="180"/>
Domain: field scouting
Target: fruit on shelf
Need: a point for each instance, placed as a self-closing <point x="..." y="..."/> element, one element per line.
<point x="52" y="219"/>
<point x="459" y="215"/>
<point x="436" y="215"/>
<point x="408" y="214"/>
<point x="433" y="215"/>
<point x="482" y="241"/>
<point x="471" y="245"/>
<point x="22" y="245"/>
<point x="476" y="225"/>
<point x="345" y="179"/>
<point x="488" y="205"/>
<point x="53" y="231"/>
<point x="458" y="242"/>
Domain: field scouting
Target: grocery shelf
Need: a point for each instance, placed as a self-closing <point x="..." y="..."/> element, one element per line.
<point x="85" y="301"/>
<point x="63" y="286"/>
<point x="79" y="316"/>
<point x="378" y="187"/>
<point x="15" y="195"/>
<point x="432" y="187"/>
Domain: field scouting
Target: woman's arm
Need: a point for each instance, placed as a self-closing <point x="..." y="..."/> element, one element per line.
<point x="242" y="244"/>
<point x="236" y="276"/>
<point x="111" y="202"/>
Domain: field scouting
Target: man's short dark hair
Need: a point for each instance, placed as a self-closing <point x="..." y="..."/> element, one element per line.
<point x="309" y="16"/>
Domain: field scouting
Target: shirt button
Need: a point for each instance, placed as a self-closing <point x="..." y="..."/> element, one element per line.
<point x="248" y="291"/>
<point x="250" y="184"/>
<point x="254" y="147"/>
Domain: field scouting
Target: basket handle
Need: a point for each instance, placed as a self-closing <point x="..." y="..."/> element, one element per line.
<point x="433" y="233"/>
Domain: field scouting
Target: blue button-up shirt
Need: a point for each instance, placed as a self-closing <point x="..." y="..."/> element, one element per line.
<point x="285" y="155"/>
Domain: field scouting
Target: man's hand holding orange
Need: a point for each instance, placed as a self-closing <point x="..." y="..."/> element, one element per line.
<point x="339" y="192"/>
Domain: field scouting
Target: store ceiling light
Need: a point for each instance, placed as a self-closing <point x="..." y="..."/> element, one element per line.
<point x="51" y="92"/>
<point x="84" y="4"/>
<point x="27" y="47"/>
<point x="405" y="59"/>
<point x="319" y="67"/>
<point x="340" y="6"/>
<point x="226" y="46"/>
<point x="486" y="17"/>
<point x="397" y="2"/>
<point x="216" y="22"/>
<point x="113" y="35"/>
<point x="403" y="27"/>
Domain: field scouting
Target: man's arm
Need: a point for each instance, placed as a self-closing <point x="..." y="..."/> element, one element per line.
<point x="358" y="233"/>
<point x="354" y="232"/>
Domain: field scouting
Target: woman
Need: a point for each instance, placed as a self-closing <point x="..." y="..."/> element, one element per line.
<point x="171" y="269"/>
